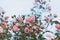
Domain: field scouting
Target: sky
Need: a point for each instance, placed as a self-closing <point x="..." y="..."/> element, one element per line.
<point x="23" y="6"/>
<point x="16" y="6"/>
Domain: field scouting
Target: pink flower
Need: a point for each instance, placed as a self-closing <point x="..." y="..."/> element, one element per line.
<point x="31" y="30"/>
<point x="26" y="30"/>
<point x="1" y="30"/>
<point x="17" y="24"/>
<point x="30" y="18"/>
<point x="34" y="27"/>
<point x="42" y="26"/>
<point x="6" y="17"/>
<point x="4" y="24"/>
<point x="33" y="17"/>
<point x="49" y="7"/>
<point x="10" y="27"/>
<point x="50" y="35"/>
<point x="15" y="28"/>
<point x="20" y="19"/>
<point x="55" y="15"/>
<point x="57" y="26"/>
<point x="3" y="12"/>
<point x="44" y="2"/>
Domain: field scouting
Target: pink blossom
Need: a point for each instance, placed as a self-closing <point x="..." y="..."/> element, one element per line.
<point x="33" y="17"/>
<point x="57" y="26"/>
<point x="10" y="27"/>
<point x="30" y="18"/>
<point x="31" y="30"/>
<point x="17" y="24"/>
<point x="15" y="28"/>
<point x="49" y="7"/>
<point x="44" y="2"/>
<point x="3" y="12"/>
<point x="50" y="35"/>
<point x="1" y="30"/>
<point x="41" y="26"/>
<point x="55" y="15"/>
<point x="20" y="19"/>
<point x="6" y="17"/>
<point x="26" y="30"/>
<point x="4" y="24"/>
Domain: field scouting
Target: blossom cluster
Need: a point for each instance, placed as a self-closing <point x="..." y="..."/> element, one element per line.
<point x="26" y="28"/>
<point x="31" y="27"/>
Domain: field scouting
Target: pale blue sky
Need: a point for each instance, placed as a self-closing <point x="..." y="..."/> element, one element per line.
<point x="16" y="6"/>
<point x="23" y="6"/>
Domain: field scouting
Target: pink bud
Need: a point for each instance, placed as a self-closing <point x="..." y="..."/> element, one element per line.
<point x="49" y="7"/>
<point x="31" y="30"/>
<point x="17" y="24"/>
<point x="6" y="17"/>
<point x="30" y="18"/>
<point x="3" y="12"/>
<point x="50" y="35"/>
<point x="42" y="26"/>
<point x="20" y="19"/>
<point x="10" y="27"/>
<point x="15" y="28"/>
<point x="4" y="24"/>
<point x="44" y="2"/>
<point x="55" y="15"/>
<point x="57" y="26"/>
<point x="26" y="30"/>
